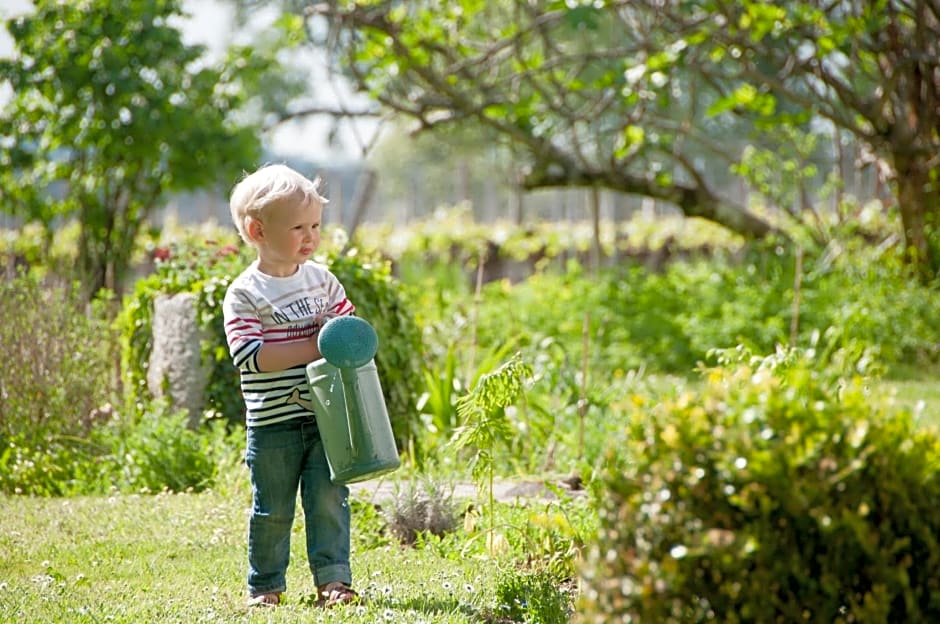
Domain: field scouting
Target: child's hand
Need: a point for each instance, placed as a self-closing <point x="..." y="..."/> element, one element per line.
<point x="323" y="318"/>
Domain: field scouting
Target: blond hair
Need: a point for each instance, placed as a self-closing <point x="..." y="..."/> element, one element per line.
<point x="271" y="185"/>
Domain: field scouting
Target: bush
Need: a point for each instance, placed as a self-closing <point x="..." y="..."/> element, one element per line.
<point x="59" y="465"/>
<point x="60" y="363"/>
<point x="415" y="509"/>
<point x="779" y="493"/>
<point x="60" y="433"/>
<point x="146" y="451"/>
<point x="206" y="269"/>
<point x="157" y="451"/>
<point x="382" y="301"/>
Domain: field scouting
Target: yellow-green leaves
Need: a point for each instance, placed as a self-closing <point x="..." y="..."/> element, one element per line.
<point x="746" y="97"/>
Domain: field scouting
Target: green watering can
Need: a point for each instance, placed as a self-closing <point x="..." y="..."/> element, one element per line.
<point x="348" y="402"/>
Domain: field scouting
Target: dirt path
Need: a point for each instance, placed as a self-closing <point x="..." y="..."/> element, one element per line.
<point x="378" y="490"/>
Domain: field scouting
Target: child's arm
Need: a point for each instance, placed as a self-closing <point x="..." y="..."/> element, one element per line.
<point x="250" y="351"/>
<point x="281" y="356"/>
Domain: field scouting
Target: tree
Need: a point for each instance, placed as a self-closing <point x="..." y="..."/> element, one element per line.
<point x="870" y="68"/>
<point x="111" y="112"/>
<point x="559" y="83"/>
<point x="659" y="97"/>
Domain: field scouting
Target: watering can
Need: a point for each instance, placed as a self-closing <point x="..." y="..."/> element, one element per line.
<point x="348" y="402"/>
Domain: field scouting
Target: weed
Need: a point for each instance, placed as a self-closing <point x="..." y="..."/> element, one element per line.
<point x="531" y="596"/>
<point x="483" y="412"/>
<point x="425" y="507"/>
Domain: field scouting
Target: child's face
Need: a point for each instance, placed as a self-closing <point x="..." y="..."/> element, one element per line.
<point x="289" y="235"/>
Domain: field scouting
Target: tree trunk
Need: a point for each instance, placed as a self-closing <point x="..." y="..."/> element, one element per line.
<point x="918" y="211"/>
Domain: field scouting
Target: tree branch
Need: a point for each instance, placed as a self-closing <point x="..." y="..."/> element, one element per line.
<point x="329" y="111"/>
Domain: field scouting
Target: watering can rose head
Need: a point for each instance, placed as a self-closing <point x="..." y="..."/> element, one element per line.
<point x="347" y="342"/>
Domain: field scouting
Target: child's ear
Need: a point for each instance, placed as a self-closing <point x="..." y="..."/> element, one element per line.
<point x="254" y="228"/>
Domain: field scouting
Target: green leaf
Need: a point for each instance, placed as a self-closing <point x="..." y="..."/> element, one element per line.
<point x="113" y="106"/>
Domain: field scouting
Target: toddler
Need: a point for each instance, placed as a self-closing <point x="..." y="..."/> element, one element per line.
<point x="273" y="313"/>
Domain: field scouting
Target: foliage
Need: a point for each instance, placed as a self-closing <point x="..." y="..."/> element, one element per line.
<point x="127" y="452"/>
<point x="782" y="491"/>
<point x="437" y="405"/>
<point x="382" y="300"/>
<point x="482" y="412"/>
<point x="28" y="249"/>
<point x="451" y="237"/>
<point x="845" y="60"/>
<point x="532" y="75"/>
<point x="370" y="525"/>
<point x="61" y="432"/>
<point x="447" y="373"/>
<point x="643" y="324"/>
<point x="781" y="172"/>
<point x="532" y="597"/>
<point x="157" y="451"/>
<point x="203" y="268"/>
<point x="850" y="296"/>
<point x="112" y="111"/>
<point x="552" y="536"/>
<point x="658" y="98"/>
<point x="206" y="268"/>
<point x="53" y="342"/>
<point x="61" y="465"/>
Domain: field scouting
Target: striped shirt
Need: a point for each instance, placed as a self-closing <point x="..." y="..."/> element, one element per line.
<point x="259" y="309"/>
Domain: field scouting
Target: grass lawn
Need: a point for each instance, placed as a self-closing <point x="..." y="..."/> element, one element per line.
<point x="181" y="558"/>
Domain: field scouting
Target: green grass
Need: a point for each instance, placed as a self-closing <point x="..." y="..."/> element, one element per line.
<point x="181" y="558"/>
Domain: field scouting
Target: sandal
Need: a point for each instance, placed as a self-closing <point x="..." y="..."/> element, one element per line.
<point x="270" y="599"/>
<point x="336" y="593"/>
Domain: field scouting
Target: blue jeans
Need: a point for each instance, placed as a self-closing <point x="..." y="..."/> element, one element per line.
<point x="282" y="458"/>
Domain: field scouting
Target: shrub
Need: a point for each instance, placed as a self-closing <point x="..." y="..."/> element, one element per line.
<point x="59" y="465"/>
<point x="156" y="451"/>
<point x="60" y="433"/>
<point x="421" y="508"/>
<point x="781" y="492"/>
<point x="206" y="269"/>
<point x="147" y="452"/>
<point x="551" y="536"/>
<point x="59" y="361"/>
<point x="382" y="301"/>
